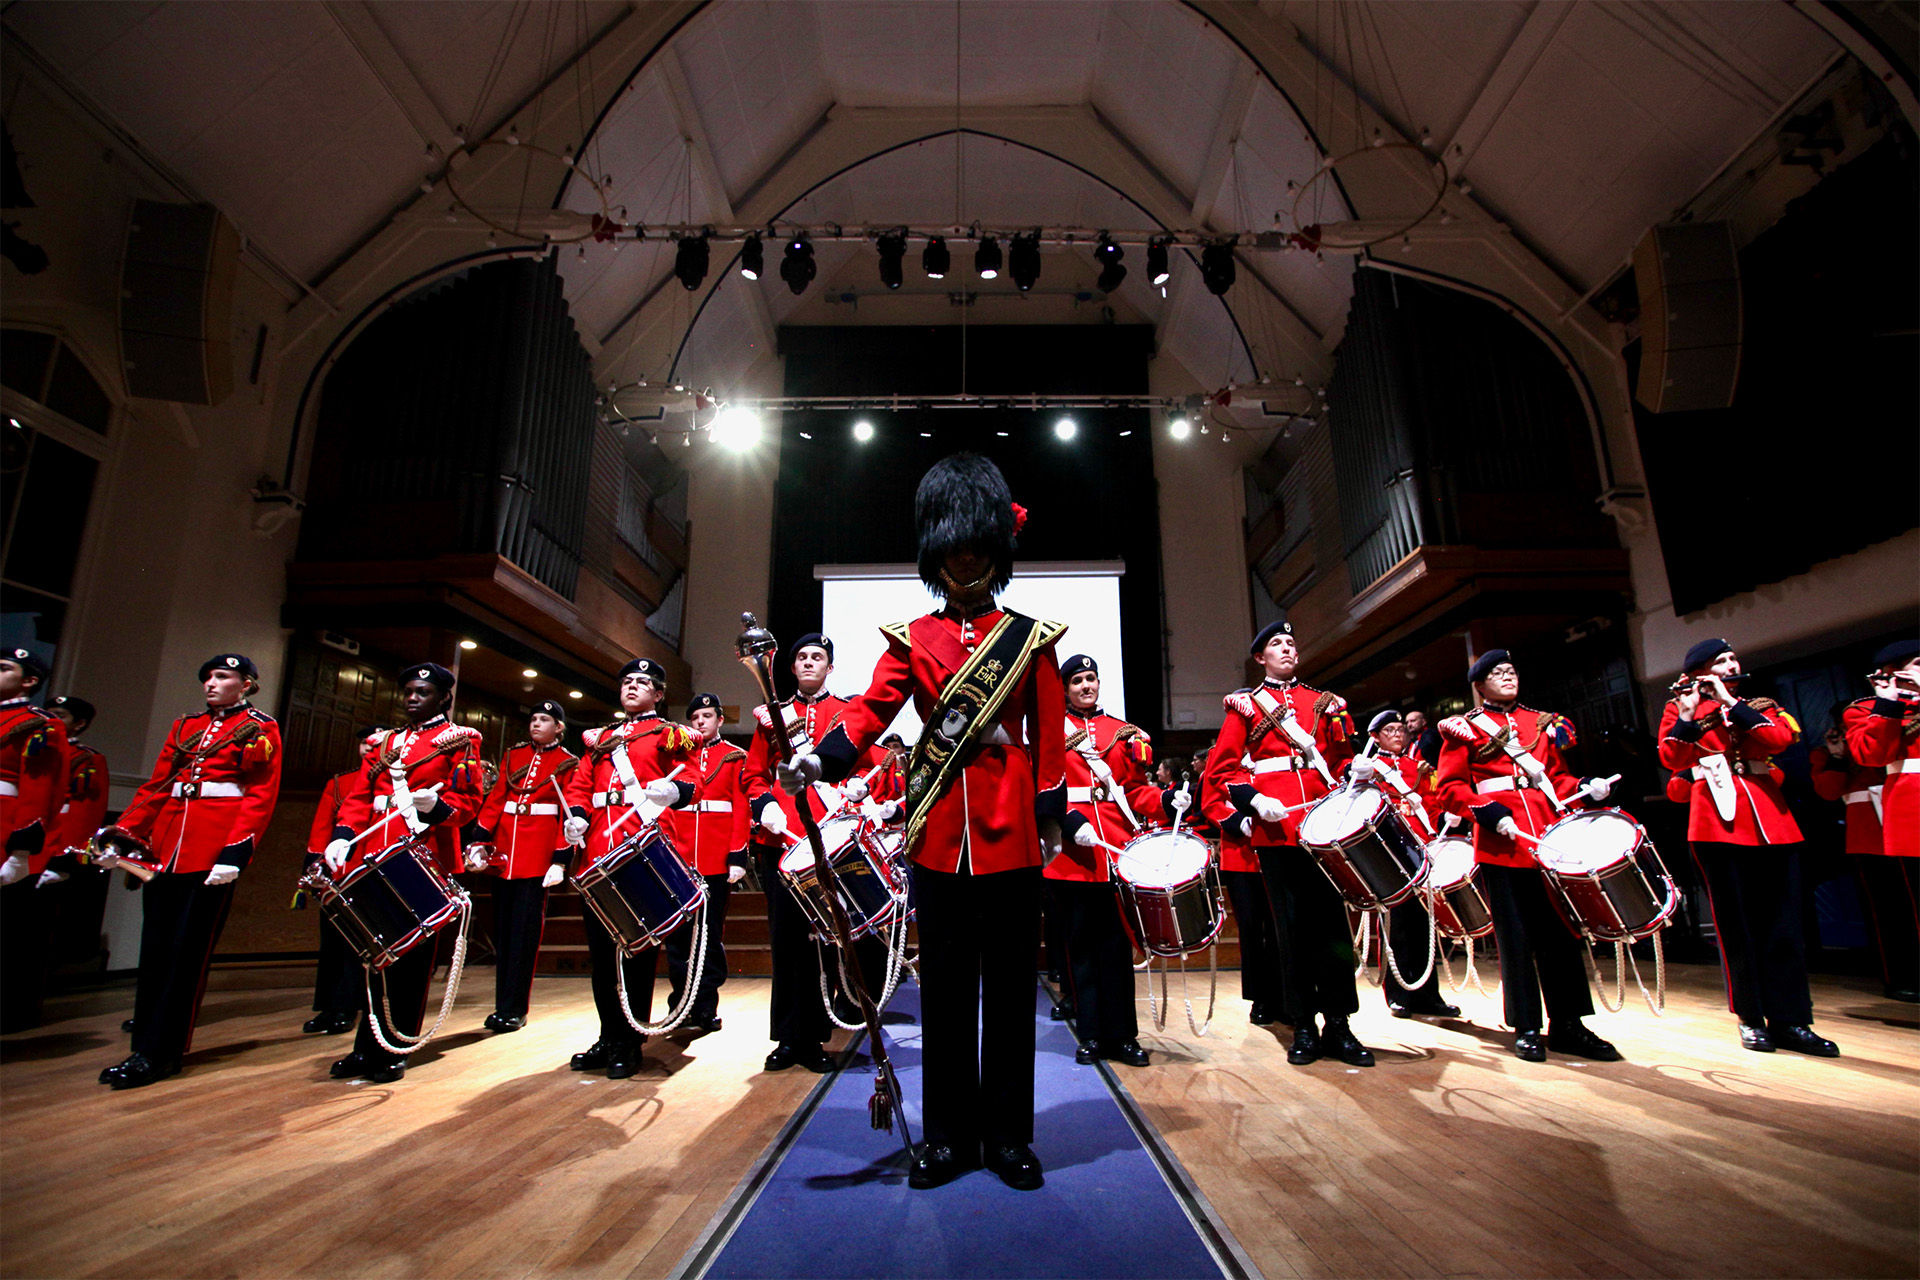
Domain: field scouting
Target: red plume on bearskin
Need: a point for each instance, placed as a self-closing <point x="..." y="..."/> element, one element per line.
<point x="963" y="501"/>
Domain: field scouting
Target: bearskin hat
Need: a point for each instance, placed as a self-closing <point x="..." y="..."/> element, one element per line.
<point x="963" y="501"/>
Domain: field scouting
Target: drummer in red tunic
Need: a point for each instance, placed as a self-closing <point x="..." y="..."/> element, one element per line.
<point x="1109" y="801"/>
<point x="1884" y="733"/>
<point x="1409" y="782"/>
<point x="207" y="805"/>
<point x="986" y="789"/>
<point x="515" y="836"/>
<point x="1746" y="844"/>
<point x="34" y="763"/>
<point x="1282" y="747"/>
<point x="1260" y="984"/>
<point x="1501" y="764"/>
<point x="711" y="835"/>
<point x="422" y="781"/>
<point x="621" y="785"/>
<point x="337" y="990"/>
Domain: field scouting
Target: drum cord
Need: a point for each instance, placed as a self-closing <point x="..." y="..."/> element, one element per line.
<point x="691" y="992"/>
<point x="1619" y="977"/>
<point x="1472" y="975"/>
<point x="454" y="971"/>
<point x="1659" y="976"/>
<point x="1386" y="949"/>
<point x="896" y="958"/>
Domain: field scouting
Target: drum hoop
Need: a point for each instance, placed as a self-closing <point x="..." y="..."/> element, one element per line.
<point x="1151" y="833"/>
<point x="1584" y="818"/>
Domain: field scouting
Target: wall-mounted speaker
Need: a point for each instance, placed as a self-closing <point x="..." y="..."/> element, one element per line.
<point x="176" y="302"/>
<point x="1690" y="321"/>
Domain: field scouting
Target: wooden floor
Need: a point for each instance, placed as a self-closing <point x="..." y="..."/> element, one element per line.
<point x="491" y="1159"/>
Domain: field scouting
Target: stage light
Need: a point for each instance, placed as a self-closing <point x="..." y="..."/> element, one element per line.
<point x="736" y="427"/>
<point x="1112" y="270"/>
<point x="1157" y="261"/>
<point x="529" y="673"/>
<point x="935" y="260"/>
<point x="1216" y="268"/>
<point x="863" y="431"/>
<point x="1179" y="428"/>
<point x="797" y="267"/>
<point x="1065" y="428"/>
<point x="753" y="258"/>
<point x="893" y="251"/>
<point x="1023" y="260"/>
<point x="986" y="259"/>
<point x="575" y="693"/>
<point x="469" y="644"/>
<point x="690" y="261"/>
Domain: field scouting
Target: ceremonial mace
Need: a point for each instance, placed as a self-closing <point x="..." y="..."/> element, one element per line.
<point x="756" y="647"/>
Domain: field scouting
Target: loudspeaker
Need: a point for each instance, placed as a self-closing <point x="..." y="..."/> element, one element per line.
<point x="1690" y="321"/>
<point x="176" y="302"/>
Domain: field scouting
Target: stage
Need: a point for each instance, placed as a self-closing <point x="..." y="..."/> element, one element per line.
<point x="491" y="1158"/>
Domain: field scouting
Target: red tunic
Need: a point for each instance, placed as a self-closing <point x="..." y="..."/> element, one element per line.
<point x="33" y="780"/>
<point x="1252" y="757"/>
<point x="815" y="716"/>
<point x="1885" y="733"/>
<point x="595" y="788"/>
<point x="1126" y="751"/>
<point x="712" y="830"/>
<point x="1476" y="771"/>
<point x="212" y="791"/>
<point x="85" y="809"/>
<point x="987" y="820"/>
<point x="326" y="813"/>
<point x="1420" y="802"/>
<point x="1854" y="783"/>
<point x="522" y="814"/>
<point x="435" y="754"/>
<point x="1760" y="731"/>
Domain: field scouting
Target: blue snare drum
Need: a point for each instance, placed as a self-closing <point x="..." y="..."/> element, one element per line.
<point x="389" y="904"/>
<point x="641" y="890"/>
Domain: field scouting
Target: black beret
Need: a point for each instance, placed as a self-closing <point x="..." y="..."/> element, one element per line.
<point x="550" y="708"/>
<point x="701" y="701"/>
<point x="1267" y="633"/>
<point x="432" y="672"/>
<point x="366" y="731"/>
<point x="815" y="638"/>
<point x="1385" y="718"/>
<point x="653" y="671"/>
<point x="1703" y="654"/>
<point x="1897" y="654"/>
<point x="80" y="707"/>
<point x="230" y="662"/>
<point x="1076" y="664"/>
<point x="34" y="665"/>
<point x="1484" y="664"/>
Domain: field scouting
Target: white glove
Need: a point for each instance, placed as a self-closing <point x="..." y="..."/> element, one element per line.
<point x="1085" y="837"/>
<point x="1508" y="828"/>
<point x="106" y="859"/>
<point x="337" y="854"/>
<point x="854" y="789"/>
<point x="663" y="792"/>
<point x="49" y="876"/>
<point x="773" y="820"/>
<point x="13" y="870"/>
<point x="1181" y="802"/>
<point x="554" y="875"/>
<point x="222" y="874"/>
<point x="736" y="873"/>
<point x="1362" y="769"/>
<point x="477" y="858"/>
<point x="1597" y="790"/>
<point x="1267" y="809"/>
<point x="574" y="830"/>
<point x="796" y="775"/>
<point x="411" y="816"/>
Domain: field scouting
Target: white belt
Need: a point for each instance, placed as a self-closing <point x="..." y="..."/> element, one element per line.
<point x="1904" y="766"/>
<point x="1079" y="795"/>
<point x="65" y="807"/>
<point x="714" y="806"/>
<point x="1491" y="785"/>
<point x="1859" y="797"/>
<point x="8" y="789"/>
<point x="219" y="790"/>
<point x="630" y="796"/>
<point x="537" y="810"/>
<point x="1273" y="764"/>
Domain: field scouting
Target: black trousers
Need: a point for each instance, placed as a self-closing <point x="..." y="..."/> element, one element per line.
<point x="1539" y="955"/>
<point x="979" y="941"/>
<point x="402" y="985"/>
<point x="1890" y="893"/>
<point x="1755" y="892"/>
<point x="181" y="919"/>
<point x="519" y="918"/>
<point x="337" y="983"/>
<point x="26" y="916"/>
<point x="706" y="1001"/>
<point x="1259" y="947"/>
<point x="1099" y="959"/>
<point x="603" y="952"/>
<point x="1315" y="945"/>
<point x="1053" y="935"/>
<point x="1407" y="926"/>
<point x="795" y="1015"/>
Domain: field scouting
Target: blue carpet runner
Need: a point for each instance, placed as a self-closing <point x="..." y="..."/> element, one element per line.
<point x="838" y="1204"/>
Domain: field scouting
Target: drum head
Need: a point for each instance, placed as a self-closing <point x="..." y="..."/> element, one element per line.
<point x="1341" y="815"/>
<point x="1450" y="862"/>
<point x="799" y="858"/>
<point x="1161" y="859"/>
<point x="835" y="835"/>
<point x="1585" y="843"/>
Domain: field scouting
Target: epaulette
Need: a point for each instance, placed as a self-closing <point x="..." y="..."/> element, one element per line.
<point x="898" y="631"/>
<point x="732" y="753"/>
<point x="1557" y="728"/>
<point x="763" y="715"/>
<point x="591" y="737"/>
<point x="1763" y="705"/>
<point x="1240" y="702"/>
<point x="1457" y="728"/>
<point x="1329" y="701"/>
<point x="259" y="715"/>
<point x="454" y="732"/>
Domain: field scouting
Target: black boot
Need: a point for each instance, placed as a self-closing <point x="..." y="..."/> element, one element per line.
<point x="1305" y="1049"/>
<point x="595" y="1057"/>
<point x="1341" y="1042"/>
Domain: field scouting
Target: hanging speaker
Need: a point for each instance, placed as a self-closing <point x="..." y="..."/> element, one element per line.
<point x="1690" y="322"/>
<point x="176" y="302"/>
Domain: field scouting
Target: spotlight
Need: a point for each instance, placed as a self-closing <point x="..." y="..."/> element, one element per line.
<point x="1157" y="261"/>
<point x="1216" y="268"/>
<point x="1179" y="428"/>
<point x="753" y="258"/>
<point x="986" y="259"/>
<point x="736" y="428"/>
<point x="797" y="267"/>
<point x="575" y="693"/>
<point x="1065" y="428"/>
<point x="529" y="673"/>
<point x="863" y="431"/>
<point x="469" y="644"/>
<point x="893" y="249"/>
<point x="690" y="262"/>
<point x="1023" y="260"/>
<point x="934" y="259"/>
<point x="1112" y="270"/>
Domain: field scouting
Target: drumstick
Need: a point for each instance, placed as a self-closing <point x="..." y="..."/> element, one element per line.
<point x="634" y="808"/>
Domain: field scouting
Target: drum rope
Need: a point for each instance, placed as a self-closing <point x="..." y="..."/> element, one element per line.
<point x="1362" y="949"/>
<point x="1659" y="977"/>
<point x="455" y="969"/>
<point x="696" y="970"/>
<point x="1619" y="975"/>
<point x="896" y="958"/>
<point x="1386" y="949"/>
<point x="1213" y="989"/>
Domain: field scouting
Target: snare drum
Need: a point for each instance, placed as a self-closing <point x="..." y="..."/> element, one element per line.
<point x="1611" y="885"/>
<point x="1364" y="846"/>
<point x="1169" y="894"/>
<point x="1453" y="891"/>
<point x="390" y="903"/>
<point x="871" y="886"/>
<point x="641" y="890"/>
